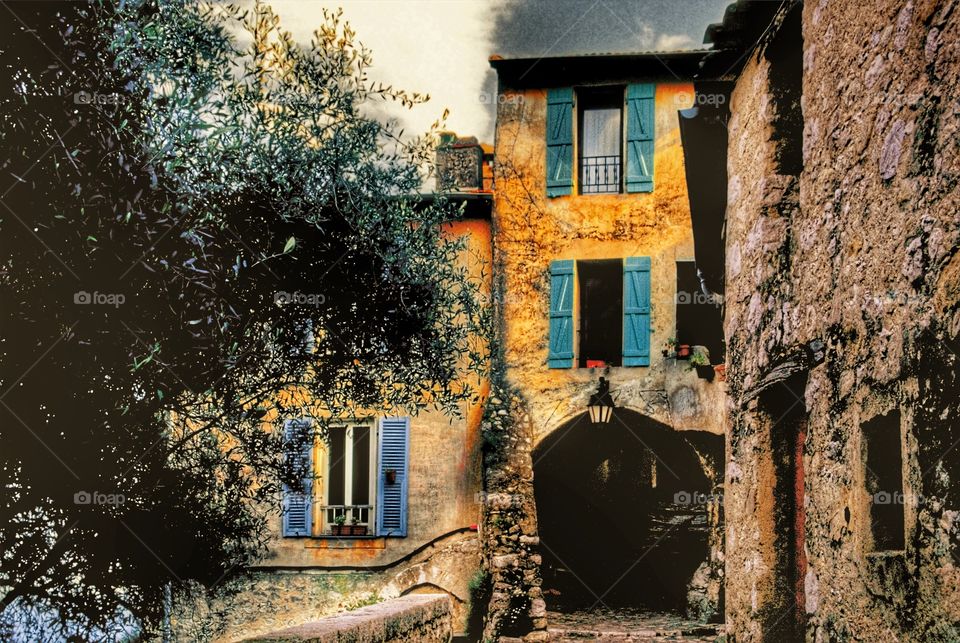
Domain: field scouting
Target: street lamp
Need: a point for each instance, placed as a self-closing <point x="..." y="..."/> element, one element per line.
<point x="601" y="404"/>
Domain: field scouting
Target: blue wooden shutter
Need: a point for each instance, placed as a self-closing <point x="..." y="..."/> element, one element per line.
<point x="640" y="132"/>
<point x="392" y="496"/>
<point x="559" y="141"/>
<point x="636" y="311"/>
<point x="297" y="503"/>
<point x="561" y="314"/>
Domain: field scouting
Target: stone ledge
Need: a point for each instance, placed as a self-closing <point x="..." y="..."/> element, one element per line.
<point x="416" y="617"/>
<point x="334" y="542"/>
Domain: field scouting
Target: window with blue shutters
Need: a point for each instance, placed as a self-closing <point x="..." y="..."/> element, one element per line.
<point x="559" y="131"/>
<point x="561" y="314"/>
<point x="600" y="140"/>
<point x="603" y="294"/>
<point x="349" y="478"/>
<point x="640" y="137"/>
<point x="297" y="499"/>
<point x="636" y="311"/>
<point x="392" y="477"/>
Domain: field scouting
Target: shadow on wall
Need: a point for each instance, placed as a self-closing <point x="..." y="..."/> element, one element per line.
<point x="622" y="512"/>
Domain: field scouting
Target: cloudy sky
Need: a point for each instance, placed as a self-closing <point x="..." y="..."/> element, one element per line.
<point x="441" y="47"/>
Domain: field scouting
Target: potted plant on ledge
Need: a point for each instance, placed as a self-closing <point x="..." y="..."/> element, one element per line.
<point x="357" y="530"/>
<point x="675" y="349"/>
<point x="700" y="360"/>
<point x="339" y="526"/>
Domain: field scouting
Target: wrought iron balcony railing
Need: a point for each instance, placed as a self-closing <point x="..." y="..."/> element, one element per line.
<point x="599" y="174"/>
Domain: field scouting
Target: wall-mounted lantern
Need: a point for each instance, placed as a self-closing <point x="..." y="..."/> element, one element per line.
<point x="601" y="404"/>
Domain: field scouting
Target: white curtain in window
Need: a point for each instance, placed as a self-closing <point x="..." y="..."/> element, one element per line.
<point x="601" y="132"/>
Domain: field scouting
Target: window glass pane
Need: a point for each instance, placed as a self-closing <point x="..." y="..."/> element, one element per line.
<point x="361" y="465"/>
<point x="601" y="132"/>
<point x="336" y="458"/>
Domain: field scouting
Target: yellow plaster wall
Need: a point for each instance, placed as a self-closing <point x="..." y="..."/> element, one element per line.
<point x="444" y="483"/>
<point x="531" y="230"/>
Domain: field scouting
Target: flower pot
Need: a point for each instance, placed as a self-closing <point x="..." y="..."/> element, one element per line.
<point x="721" y="371"/>
<point x="340" y="530"/>
<point x="683" y="351"/>
<point x="705" y="372"/>
<point x="391" y="476"/>
<point x="358" y="530"/>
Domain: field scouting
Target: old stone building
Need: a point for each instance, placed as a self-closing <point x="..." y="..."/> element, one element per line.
<point x="593" y="266"/>
<point x="836" y="238"/>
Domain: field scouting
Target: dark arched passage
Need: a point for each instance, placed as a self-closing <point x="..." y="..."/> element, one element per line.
<point x="622" y="511"/>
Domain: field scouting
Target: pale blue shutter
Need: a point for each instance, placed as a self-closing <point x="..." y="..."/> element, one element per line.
<point x="636" y="311"/>
<point x="640" y="135"/>
<point x="392" y="496"/>
<point x="561" y="314"/>
<point x="559" y="141"/>
<point x="297" y="504"/>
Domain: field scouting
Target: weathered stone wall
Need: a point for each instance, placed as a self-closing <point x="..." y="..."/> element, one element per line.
<point x="860" y="250"/>
<point x="509" y="529"/>
<point x="415" y="619"/>
<point x="755" y="239"/>
<point x="256" y="602"/>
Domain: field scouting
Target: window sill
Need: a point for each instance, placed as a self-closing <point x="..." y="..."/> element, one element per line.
<point x="328" y="541"/>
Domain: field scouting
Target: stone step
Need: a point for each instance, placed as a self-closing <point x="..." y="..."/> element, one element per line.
<point x="707" y="633"/>
<point x="704" y="634"/>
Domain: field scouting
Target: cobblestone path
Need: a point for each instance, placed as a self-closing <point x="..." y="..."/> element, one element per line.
<point x="629" y="625"/>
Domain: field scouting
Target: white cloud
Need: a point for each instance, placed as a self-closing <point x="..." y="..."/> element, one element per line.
<point x="671" y="41"/>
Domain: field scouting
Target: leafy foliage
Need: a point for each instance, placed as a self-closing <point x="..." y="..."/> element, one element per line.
<point x="205" y="233"/>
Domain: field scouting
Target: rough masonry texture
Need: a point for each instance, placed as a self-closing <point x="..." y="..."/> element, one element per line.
<point x="257" y="602"/>
<point x="856" y="247"/>
<point x="424" y="618"/>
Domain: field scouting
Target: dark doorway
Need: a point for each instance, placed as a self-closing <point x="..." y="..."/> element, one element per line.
<point x="784" y="413"/>
<point x="601" y="312"/>
<point x="699" y="322"/>
<point x="622" y="513"/>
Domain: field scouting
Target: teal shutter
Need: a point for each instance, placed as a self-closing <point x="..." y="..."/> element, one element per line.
<point x="561" y="314"/>
<point x="636" y="311"/>
<point x="392" y="496"/>
<point x="640" y="131"/>
<point x="559" y="141"/>
<point x="297" y="503"/>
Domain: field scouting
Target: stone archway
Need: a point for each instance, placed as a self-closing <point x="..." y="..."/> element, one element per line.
<point x="624" y="512"/>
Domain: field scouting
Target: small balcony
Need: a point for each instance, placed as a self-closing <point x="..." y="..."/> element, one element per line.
<point x="600" y="174"/>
